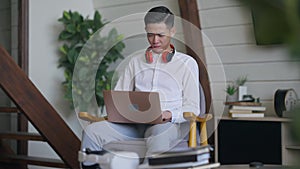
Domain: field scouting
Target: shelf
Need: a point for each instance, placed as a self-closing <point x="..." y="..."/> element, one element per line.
<point x="293" y="147"/>
<point x="268" y="118"/>
<point x="289" y="149"/>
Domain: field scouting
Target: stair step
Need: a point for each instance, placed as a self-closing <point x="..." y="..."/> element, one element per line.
<point x="37" y="109"/>
<point x="12" y="166"/>
<point x="21" y="136"/>
<point x="9" y="110"/>
<point x="38" y="161"/>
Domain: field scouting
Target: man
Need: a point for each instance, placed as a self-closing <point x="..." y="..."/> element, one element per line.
<point x="162" y="69"/>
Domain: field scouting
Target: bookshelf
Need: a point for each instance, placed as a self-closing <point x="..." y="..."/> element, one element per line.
<point x="283" y="150"/>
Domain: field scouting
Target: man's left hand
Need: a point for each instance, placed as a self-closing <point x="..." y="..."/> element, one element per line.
<point x="166" y="116"/>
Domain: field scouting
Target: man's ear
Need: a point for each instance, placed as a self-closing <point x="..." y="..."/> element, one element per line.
<point x="173" y="31"/>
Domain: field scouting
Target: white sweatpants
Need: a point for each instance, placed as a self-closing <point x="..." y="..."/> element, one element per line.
<point x="158" y="137"/>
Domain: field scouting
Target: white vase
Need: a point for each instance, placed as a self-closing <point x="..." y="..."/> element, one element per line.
<point x="242" y="90"/>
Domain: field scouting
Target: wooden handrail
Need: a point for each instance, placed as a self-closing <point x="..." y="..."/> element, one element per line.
<point x="38" y="110"/>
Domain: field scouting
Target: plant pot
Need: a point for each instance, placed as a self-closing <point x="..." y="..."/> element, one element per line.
<point x="231" y="98"/>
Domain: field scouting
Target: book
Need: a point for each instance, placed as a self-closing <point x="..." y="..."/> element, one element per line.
<point x="233" y="115"/>
<point x="241" y="103"/>
<point x="204" y="158"/>
<point x="253" y="108"/>
<point x="239" y="111"/>
<point x="198" y="154"/>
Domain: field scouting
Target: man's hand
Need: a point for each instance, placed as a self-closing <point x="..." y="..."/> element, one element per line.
<point x="166" y="116"/>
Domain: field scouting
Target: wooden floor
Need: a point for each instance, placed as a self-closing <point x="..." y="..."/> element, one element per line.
<point x="248" y="167"/>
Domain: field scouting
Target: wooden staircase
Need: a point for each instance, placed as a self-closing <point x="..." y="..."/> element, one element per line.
<point x="32" y="104"/>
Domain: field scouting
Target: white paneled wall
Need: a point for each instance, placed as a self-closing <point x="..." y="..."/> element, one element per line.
<point x="225" y="17"/>
<point x="230" y="46"/>
<point x="127" y="16"/>
<point x="214" y="4"/>
<point x="228" y="25"/>
<point x="111" y="10"/>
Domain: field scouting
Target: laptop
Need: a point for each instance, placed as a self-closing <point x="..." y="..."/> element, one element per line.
<point x="132" y="107"/>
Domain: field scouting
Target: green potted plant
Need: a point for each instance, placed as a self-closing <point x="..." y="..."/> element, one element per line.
<point x="231" y="93"/>
<point x="77" y="49"/>
<point x="240" y="81"/>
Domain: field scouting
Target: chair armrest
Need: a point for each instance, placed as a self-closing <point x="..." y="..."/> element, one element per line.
<point x="91" y="118"/>
<point x="190" y="116"/>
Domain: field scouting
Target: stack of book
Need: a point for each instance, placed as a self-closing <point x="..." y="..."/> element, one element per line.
<point x="246" y="109"/>
<point x="194" y="158"/>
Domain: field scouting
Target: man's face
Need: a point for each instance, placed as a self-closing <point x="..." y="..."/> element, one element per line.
<point x="159" y="36"/>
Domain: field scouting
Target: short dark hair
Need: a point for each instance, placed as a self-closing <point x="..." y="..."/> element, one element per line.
<point x="160" y="14"/>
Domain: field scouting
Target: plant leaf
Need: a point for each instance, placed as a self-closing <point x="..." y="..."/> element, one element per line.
<point x="66" y="15"/>
<point x="71" y="28"/>
<point x="64" y="35"/>
<point x="78" y="30"/>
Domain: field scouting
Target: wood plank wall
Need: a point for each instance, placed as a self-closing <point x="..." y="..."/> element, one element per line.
<point x="129" y="9"/>
<point x="228" y="30"/>
<point x="5" y="24"/>
<point x="7" y="123"/>
<point x="228" y="25"/>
